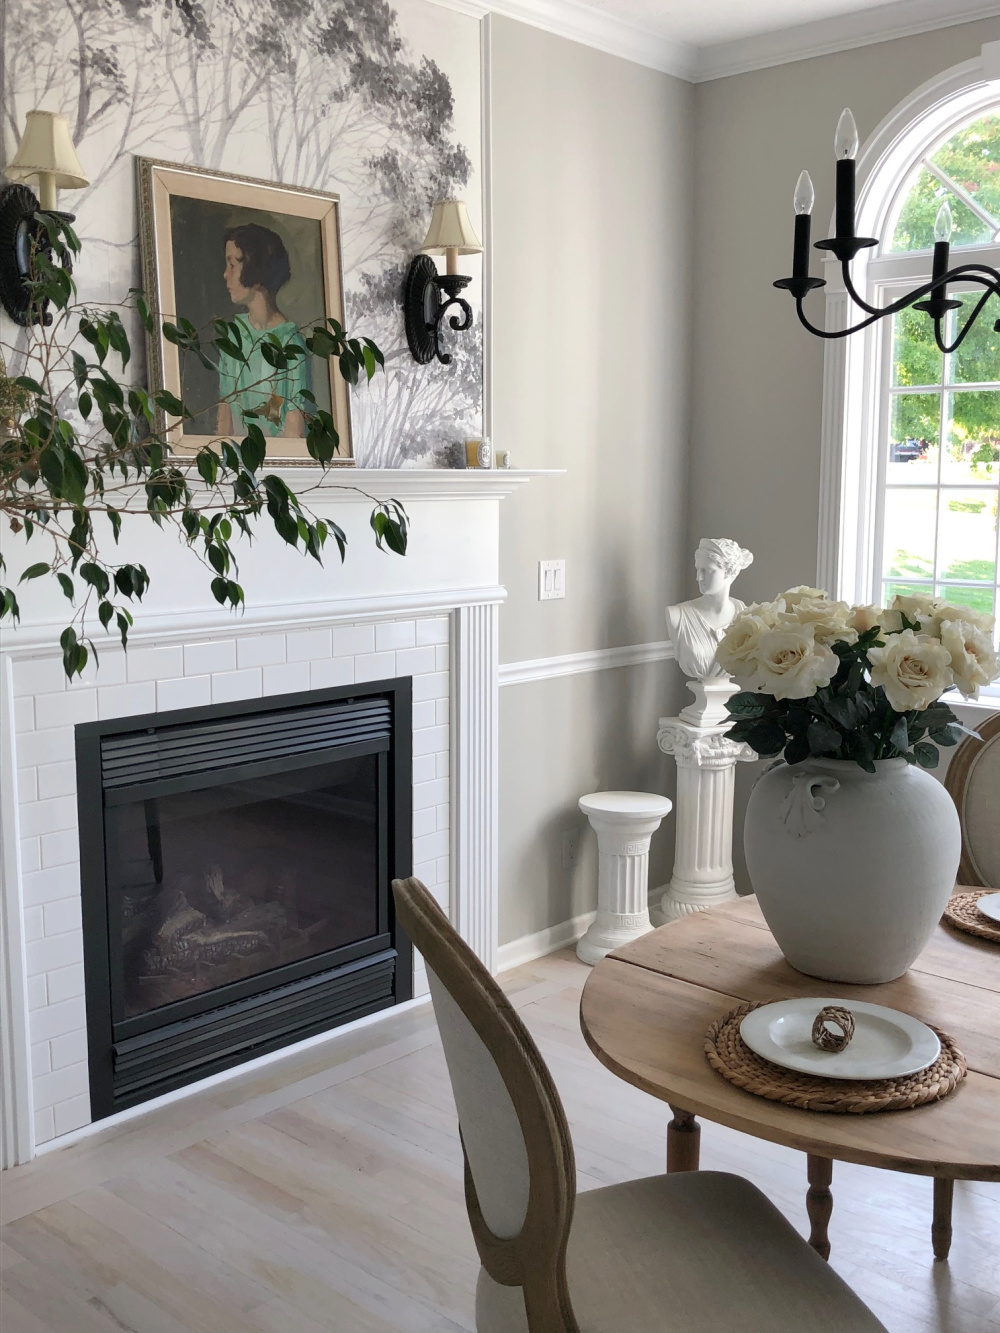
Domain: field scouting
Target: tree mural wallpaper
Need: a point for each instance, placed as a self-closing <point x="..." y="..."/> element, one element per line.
<point x="377" y="103"/>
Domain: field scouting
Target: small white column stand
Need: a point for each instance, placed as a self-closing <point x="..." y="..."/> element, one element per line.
<point x="706" y="778"/>
<point x="624" y="822"/>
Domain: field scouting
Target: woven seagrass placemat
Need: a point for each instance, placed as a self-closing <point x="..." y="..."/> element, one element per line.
<point x="731" y="1057"/>
<point x="963" y="914"/>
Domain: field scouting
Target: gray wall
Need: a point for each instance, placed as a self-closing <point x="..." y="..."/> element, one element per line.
<point x="592" y="191"/>
<point x="757" y="375"/>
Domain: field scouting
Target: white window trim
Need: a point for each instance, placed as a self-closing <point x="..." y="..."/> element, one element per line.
<point x="850" y="429"/>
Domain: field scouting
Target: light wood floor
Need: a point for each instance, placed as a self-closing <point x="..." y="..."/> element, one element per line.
<point x="324" y="1193"/>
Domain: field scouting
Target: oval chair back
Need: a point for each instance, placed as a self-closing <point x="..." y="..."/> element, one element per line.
<point x="973" y="779"/>
<point x="520" y="1175"/>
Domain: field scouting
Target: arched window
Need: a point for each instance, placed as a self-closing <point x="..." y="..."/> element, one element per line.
<point x="910" y="475"/>
<point x="939" y="469"/>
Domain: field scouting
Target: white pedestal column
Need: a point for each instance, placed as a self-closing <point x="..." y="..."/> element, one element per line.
<point x="624" y="822"/>
<point x="703" y="855"/>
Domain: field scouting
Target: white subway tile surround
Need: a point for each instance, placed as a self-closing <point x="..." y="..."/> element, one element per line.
<point x="147" y="680"/>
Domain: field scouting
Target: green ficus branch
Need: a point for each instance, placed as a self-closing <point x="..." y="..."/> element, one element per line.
<point x="109" y="453"/>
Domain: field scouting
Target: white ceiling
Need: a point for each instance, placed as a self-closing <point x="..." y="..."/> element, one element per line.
<point x="706" y="22"/>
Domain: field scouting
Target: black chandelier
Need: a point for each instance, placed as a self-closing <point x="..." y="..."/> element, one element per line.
<point x="931" y="297"/>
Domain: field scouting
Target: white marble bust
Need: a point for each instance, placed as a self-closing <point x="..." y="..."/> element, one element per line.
<point x="696" y="627"/>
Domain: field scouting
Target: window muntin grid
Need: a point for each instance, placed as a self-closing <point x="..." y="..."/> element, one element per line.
<point x="965" y="171"/>
<point x="940" y="475"/>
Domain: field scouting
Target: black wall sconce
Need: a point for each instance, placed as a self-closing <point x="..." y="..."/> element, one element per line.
<point x="46" y="151"/>
<point x="930" y="298"/>
<point x="428" y="295"/>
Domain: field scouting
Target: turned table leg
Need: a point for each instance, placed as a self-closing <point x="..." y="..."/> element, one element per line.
<point x="819" y="1202"/>
<point x="683" y="1141"/>
<point x="944" y="1190"/>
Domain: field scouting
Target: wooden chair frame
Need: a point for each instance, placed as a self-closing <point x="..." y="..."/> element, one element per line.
<point x="534" y="1259"/>
<point x="956" y="780"/>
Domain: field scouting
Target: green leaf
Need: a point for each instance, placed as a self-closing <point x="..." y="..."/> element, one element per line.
<point x="145" y="314"/>
<point x="821" y="738"/>
<point x="74" y="482"/>
<point x="843" y="711"/>
<point x="254" y="448"/>
<point x="66" y="583"/>
<point x="207" y="461"/>
<point x="797" y="750"/>
<point x="170" y="403"/>
<point x="900" y="736"/>
<point x="926" y="754"/>
<point x="104" y="613"/>
<point x="8" y="605"/>
<point x="747" y="704"/>
<point x="767" y="738"/>
<point x="35" y="571"/>
<point x="86" y="404"/>
<point x="96" y="577"/>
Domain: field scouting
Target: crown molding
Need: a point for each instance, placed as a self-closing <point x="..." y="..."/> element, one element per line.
<point x="845" y="32"/>
<point x="596" y="28"/>
<point x="592" y="27"/>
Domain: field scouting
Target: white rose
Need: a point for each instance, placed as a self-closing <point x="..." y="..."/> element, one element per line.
<point x="913" y="669"/>
<point x="918" y="608"/>
<point x="769" y="612"/>
<point x="891" y="621"/>
<point x="830" y="620"/>
<point x="803" y="592"/>
<point x="791" y="664"/>
<point x="864" y="618"/>
<point x="973" y="660"/>
<point x="737" y="650"/>
<point x="947" y="611"/>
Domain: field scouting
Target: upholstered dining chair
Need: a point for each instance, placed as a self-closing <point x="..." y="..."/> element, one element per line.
<point x="973" y="779"/>
<point x="699" y="1252"/>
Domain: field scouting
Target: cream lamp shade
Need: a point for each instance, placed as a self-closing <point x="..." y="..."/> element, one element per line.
<point x="47" y="151"/>
<point x="451" y="233"/>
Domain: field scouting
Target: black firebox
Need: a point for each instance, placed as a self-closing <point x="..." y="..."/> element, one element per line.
<point x="235" y="870"/>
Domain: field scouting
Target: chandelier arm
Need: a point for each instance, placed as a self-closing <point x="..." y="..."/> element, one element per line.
<point x="971" y="272"/>
<point x="833" y="333"/>
<point x="993" y="289"/>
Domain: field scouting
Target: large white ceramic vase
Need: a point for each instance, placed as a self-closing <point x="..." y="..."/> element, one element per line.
<point x="852" y="870"/>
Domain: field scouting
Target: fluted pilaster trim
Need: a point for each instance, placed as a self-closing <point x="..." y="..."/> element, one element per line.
<point x="474" y="746"/>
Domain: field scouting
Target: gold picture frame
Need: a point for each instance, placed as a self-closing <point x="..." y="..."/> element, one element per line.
<point x="186" y="219"/>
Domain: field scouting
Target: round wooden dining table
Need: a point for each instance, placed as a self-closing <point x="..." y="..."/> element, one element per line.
<point x="647" y="1007"/>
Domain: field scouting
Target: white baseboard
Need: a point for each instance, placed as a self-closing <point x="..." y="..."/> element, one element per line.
<point x="542" y="942"/>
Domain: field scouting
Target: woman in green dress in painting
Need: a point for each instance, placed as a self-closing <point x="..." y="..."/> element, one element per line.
<point x="257" y="267"/>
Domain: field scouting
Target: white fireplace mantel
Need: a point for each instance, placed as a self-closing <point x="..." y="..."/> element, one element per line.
<point x="432" y="614"/>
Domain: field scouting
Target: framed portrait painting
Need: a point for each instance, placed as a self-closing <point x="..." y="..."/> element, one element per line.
<point x="266" y="256"/>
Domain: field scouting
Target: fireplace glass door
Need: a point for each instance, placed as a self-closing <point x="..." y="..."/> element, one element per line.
<point x="224" y="881"/>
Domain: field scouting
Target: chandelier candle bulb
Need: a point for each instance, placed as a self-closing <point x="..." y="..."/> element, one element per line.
<point x="845" y="143"/>
<point x="803" y="202"/>
<point x="942" y="248"/>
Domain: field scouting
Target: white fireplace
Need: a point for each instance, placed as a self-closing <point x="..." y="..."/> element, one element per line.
<point x="431" y="615"/>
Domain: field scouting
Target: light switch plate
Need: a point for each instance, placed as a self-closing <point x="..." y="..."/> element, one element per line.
<point x="551" y="579"/>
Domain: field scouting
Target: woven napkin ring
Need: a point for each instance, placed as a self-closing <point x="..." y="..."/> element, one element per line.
<point x="825" y="1037"/>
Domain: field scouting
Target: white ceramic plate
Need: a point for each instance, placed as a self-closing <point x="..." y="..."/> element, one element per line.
<point x="886" y="1043"/>
<point x="990" y="906"/>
